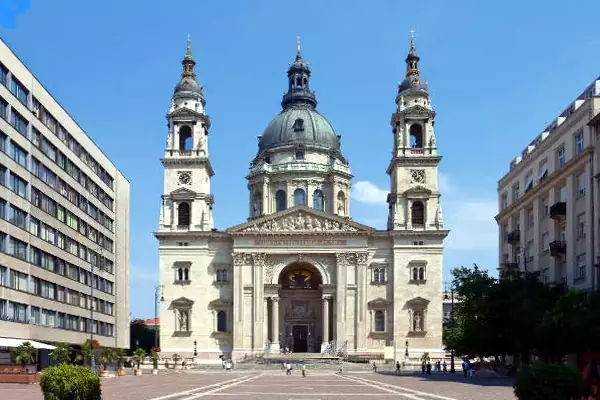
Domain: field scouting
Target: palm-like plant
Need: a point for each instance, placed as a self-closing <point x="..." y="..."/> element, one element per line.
<point x="61" y="353"/>
<point x="107" y="358"/>
<point x="138" y="356"/>
<point x="24" y="354"/>
<point x="154" y="358"/>
<point x="176" y="358"/>
<point x="86" y="352"/>
<point x="425" y="357"/>
<point x="120" y="356"/>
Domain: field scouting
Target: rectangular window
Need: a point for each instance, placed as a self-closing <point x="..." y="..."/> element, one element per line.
<point x="529" y="218"/>
<point x="543" y="172"/>
<point x="515" y="192"/>
<point x="3" y="278"/>
<point x="528" y="181"/>
<point x="19" y="122"/>
<point x="35" y="107"/>
<point x="563" y="194"/>
<point x="19" y="90"/>
<point x="18" y="154"/>
<point x="581" y="268"/>
<point x="49" y="121"/>
<point x="17" y="217"/>
<point x="581" y="226"/>
<point x="3" y="75"/>
<point x="3" y="109"/>
<point x="17" y="248"/>
<point x="18" y="280"/>
<point x="578" y="142"/>
<point x="36" y="316"/>
<point x="504" y="201"/>
<point x="545" y="209"/>
<point x="34" y="226"/>
<point x="18" y="185"/>
<point x="562" y="156"/>
<point x="581" y="184"/>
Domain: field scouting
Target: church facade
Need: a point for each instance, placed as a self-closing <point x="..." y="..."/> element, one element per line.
<point x="300" y="274"/>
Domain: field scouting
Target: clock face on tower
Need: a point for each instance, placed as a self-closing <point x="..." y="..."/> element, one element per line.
<point x="417" y="176"/>
<point x="185" y="178"/>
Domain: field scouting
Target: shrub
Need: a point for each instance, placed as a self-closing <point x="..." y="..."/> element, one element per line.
<point x="24" y="353"/>
<point x="549" y="382"/>
<point x="70" y="382"/>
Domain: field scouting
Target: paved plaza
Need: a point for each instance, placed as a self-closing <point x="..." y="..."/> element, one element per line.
<point x="275" y="385"/>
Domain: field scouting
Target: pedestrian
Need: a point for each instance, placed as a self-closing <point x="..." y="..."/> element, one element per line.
<point x="470" y="367"/>
<point x="428" y="368"/>
<point x="397" y="367"/>
<point x="435" y="366"/>
<point x="341" y="368"/>
<point x="423" y="367"/>
<point x="288" y="369"/>
<point x="445" y="366"/>
<point x="374" y="367"/>
<point x="465" y="367"/>
<point x="303" y="370"/>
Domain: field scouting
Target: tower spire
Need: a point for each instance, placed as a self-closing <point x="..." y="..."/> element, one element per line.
<point x="299" y="93"/>
<point x="412" y="60"/>
<point x="298" y="46"/>
<point x="188" y="61"/>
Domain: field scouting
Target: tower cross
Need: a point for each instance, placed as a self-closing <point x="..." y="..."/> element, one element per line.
<point x="298" y="45"/>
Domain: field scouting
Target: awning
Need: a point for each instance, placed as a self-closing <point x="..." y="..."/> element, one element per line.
<point x="11" y="342"/>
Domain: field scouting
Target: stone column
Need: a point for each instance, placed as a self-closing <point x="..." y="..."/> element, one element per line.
<point x="265" y="197"/>
<point x="325" y="323"/>
<point x="275" y="347"/>
<point x="361" y="303"/>
<point x="239" y="261"/>
<point x="257" y="301"/>
<point x="342" y="261"/>
<point x="266" y="320"/>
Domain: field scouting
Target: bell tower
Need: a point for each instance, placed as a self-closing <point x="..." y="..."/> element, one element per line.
<point x="187" y="201"/>
<point x="414" y="199"/>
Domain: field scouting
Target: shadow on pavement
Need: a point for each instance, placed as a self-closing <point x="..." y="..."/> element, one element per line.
<point x="456" y="377"/>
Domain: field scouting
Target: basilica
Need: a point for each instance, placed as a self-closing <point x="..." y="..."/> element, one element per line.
<point x="300" y="274"/>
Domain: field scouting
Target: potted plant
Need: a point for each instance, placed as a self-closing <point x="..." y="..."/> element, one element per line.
<point x="24" y="354"/>
<point x="176" y="358"/>
<point x="121" y="355"/>
<point x="88" y="349"/>
<point x="61" y="354"/>
<point x="107" y="358"/>
<point x="154" y="358"/>
<point x="138" y="357"/>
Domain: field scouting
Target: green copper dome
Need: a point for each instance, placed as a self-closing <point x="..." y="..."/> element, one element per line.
<point x="302" y="125"/>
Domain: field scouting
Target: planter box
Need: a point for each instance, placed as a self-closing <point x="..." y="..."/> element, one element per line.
<point x="20" y="378"/>
<point x="137" y="372"/>
<point x="154" y="372"/>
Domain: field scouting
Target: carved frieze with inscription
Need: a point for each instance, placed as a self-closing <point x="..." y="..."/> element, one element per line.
<point x="300" y="222"/>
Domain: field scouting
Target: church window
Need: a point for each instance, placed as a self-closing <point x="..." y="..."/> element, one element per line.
<point x="318" y="201"/>
<point x="300" y="155"/>
<point x="379" y="321"/>
<point x="185" y="138"/>
<point x="418" y="273"/>
<point x="416" y="136"/>
<point x="298" y="125"/>
<point x="417" y="213"/>
<point x="183" y="320"/>
<point x="183" y="274"/>
<point x="183" y="214"/>
<point x="221" y="321"/>
<point x="180" y="274"/>
<point x="280" y="200"/>
<point x="298" y="81"/>
<point x="299" y="197"/>
<point x="221" y="275"/>
<point x="379" y="275"/>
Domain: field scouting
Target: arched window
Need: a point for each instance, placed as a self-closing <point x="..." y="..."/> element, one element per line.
<point x="416" y="136"/>
<point x="186" y="274"/>
<point x="221" y="321"/>
<point x="180" y="274"/>
<point x="183" y="214"/>
<point x="417" y="213"/>
<point x="280" y="201"/>
<point x="421" y="274"/>
<point x="415" y="274"/>
<point x="299" y="197"/>
<point x="185" y="138"/>
<point x="379" y="321"/>
<point x="341" y="203"/>
<point x="299" y="124"/>
<point x="318" y="203"/>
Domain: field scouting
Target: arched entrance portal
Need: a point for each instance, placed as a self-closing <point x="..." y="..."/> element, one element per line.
<point x="300" y="308"/>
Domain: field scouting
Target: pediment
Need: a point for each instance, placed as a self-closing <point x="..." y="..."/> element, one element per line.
<point x="219" y="304"/>
<point x="378" y="303"/>
<point x="182" y="302"/>
<point x="418" y="190"/>
<point x="418" y="302"/>
<point x="418" y="110"/>
<point x="303" y="220"/>
<point x="183" y="194"/>
<point x="187" y="112"/>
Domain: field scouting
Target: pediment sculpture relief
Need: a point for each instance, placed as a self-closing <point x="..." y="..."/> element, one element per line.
<point x="300" y="222"/>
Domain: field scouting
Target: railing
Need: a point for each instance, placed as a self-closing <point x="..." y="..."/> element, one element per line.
<point x="558" y="209"/>
<point x="514" y="237"/>
<point x="185" y="153"/>
<point x="183" y="227"/>
<point x="558" y="247"/>
<point x="417" y="151"/>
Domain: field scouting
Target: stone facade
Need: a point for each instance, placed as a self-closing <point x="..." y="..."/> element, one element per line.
<point x="300" y="274"/>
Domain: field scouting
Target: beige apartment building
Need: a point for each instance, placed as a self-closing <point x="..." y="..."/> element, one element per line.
<point x="64" y="222"/>
<point x="548" y="216"/>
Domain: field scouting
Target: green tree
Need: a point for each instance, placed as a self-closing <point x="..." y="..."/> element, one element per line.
<point x="24" y="354"/>
<point x="87" y="351"/>
<point x="138" y="356"/>
<point x="107" y="358"/>
<point x="61" y="354"/>
<point x="120" y="355"/>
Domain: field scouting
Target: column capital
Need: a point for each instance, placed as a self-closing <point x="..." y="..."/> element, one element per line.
<point x="275" y="299"/>
<point x="240" y="259"/>
<point x="259" y="258"/>
<point x="326" y="298"/>
<point x="345" y="258"/>
<point x="362" y="258"/>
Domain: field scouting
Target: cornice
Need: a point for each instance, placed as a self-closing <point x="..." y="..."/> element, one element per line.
<point x="181" y="113"/>
<point x="550" y="180"/>
<point x="189" y="161"/>
<point x="414" y="160"/>
<point x="191" y="235"/>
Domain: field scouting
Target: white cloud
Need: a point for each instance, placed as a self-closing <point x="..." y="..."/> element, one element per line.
<point x="367" y="192"/>
<point x="470" y="219"/>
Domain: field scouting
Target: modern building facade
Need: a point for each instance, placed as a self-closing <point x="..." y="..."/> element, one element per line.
<point x="64" y="212"/>
<point x="548" y="205"/>
<point x="300" y="274"/>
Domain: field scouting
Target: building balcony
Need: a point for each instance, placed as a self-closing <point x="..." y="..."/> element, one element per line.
<point x="558" y="210"/>
<point x="558" y="248"/>
<point x="514" y="237"/>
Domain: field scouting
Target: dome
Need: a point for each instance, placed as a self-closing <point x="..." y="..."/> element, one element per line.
<point x="299" y="126"/>
<point x="412" y="82"/>
<point x="188" y="84"/>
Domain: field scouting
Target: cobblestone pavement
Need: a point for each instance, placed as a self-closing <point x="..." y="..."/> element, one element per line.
<point x="275" y="385"/>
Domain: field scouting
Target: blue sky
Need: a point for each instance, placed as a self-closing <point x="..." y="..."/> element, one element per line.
<point x="498" y="72"/>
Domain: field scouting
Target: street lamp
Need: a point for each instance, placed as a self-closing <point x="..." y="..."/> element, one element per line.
<point x="195" y="348"/>
<point x="406" y="350"/>
<point x="93" y="358"/>
<point x="452" y="370"/>
<point x="157" y="289"/>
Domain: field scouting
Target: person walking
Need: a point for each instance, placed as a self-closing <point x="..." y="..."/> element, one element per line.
<point x="288" y="369"/>
<point x="397" y="367"/>
<point x="303" y="370"/>
<point x="423" y="367"/>
<point x="374" y="367"/>
<point x="445" y="366"/>
<point x="465" y="366"/>
<point x="428" y="368"/>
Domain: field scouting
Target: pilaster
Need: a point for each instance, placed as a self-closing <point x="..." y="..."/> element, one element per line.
<point x="258" y="300"/>
<point x="240" y="260"/>
<point x="361" y="300"/>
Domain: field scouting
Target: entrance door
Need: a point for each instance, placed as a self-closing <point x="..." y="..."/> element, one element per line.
<point x="300" y="333"/>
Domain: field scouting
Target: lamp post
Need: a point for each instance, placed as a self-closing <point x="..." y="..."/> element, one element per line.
<point x="452" y="370"/>
<point x="406" y="349"/>
<point x="93" y="358"/>
<point x="157" y="289"/>
<point x="195" y="348"/>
